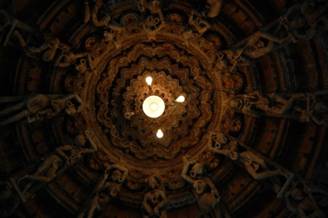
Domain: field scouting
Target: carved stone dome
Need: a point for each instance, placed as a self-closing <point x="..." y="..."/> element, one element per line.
<point x="153" y="108"/>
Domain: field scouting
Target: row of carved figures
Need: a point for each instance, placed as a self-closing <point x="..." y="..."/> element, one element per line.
<point x="37" y="108"/>
<point x="303" y="107"/>
<point x="107" y="187"/>
<point x="300" y="22"/>
<point x="22" y="188"/>
<point x="287" y="185"/>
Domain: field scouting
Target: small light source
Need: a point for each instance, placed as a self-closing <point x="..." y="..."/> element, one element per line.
<point x="153" y="106"/>
<point x="159" y="134"/>
<point x="180" y="99"/>
<point x="149" y="80"/>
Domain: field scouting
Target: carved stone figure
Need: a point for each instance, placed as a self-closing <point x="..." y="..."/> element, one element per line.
<point x="295" y="23"/>
<point x="301" y="20"/>
<point x="57" y="163"/>
<point x="206" y="194"/>
<point x="192" y="170"/>
<point x="220" y="144"/>
<point x="198" y="23"/>
<point x="156" y="20"/>
<point x="50" y="167"/>
<point x="316" y="108"/>
<point x="154" y="203"/>
<point x="204" y="190"/>
<point x="214" y="8"/>
<point x="300" y="202"/>
<point x="93" y="14"/>
<point x="47" y="51"/>
<point x="288" y="106"/>
<point x="319" y="113"/>
<point x="256" y="166"/>
<point x="9" y="25"/>
<point x="151" y="24"/>
<point x="155" y="181"/>
<point x="107" y="188"/>
<point x="257" y="105"/>
<point x="261" y="43"/>
<point x="64" y="156"/>
<point x="231" y="123"/>
<point x="37" y="108"/>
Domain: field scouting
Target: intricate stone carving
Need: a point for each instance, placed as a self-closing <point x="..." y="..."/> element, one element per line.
<point x="68" y="58"/>
<point x="303" y="107"/>
<point x="300" y="202"/>
<point x="48" y="51"/>
<point x="37" y="108"/>
<point x="193" y="170"/>
<point x="108" y="187"/>
<point x="206" y="194"/>
<point x="134" y="93"/>
<point x="10" y="25"/>
<point x="106" y="62"/>
<point x="316" y="107"/>
<point x="261" y="43"/>
<point x="253" y="163"/>
<point x="232" y="83"/>
<point x="301" y="20"/>
<point x="198" y="23"/>
<point x="204" y="190"/>
<point x="155" y="201"/>
<point x="232" y="123"/>
<point x="57" y="163"/>
<point x="93" y="15"/>
<point x="256" y="105"/>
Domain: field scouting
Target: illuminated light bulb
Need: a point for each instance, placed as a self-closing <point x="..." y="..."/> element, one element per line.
<point x="180" y="99"/>
<point x="159" y="134"/>
<point x="149" y="80"/>
<point x="153" y="106"/>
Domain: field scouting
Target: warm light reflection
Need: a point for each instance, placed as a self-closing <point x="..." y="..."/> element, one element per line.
<point x="180" y="99"/>
<point x="153" y="106"/>
<point x="149" y="80"/>
<point x="159" y="134"/>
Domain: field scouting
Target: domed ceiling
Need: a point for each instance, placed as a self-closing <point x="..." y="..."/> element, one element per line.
<point x="149" y="108"/>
